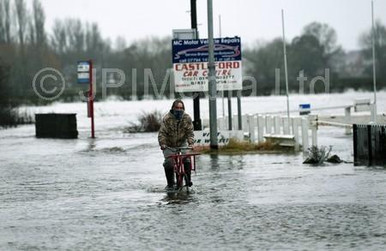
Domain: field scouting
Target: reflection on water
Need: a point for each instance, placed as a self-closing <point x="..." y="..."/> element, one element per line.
<point x="179" y="198"/>
<point x="91" y="144"/>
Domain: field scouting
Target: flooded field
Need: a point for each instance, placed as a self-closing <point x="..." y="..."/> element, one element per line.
<point x="107" y="193"/>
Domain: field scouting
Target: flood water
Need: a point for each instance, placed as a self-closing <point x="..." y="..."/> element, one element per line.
<point x="107" y="193"/>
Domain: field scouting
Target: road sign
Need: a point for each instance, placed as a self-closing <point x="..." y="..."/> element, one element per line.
<point x="83" y="72"/>
<point x="190" y="64"/>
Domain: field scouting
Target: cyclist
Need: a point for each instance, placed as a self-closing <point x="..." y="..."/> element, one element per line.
<point x="176" y="131"/>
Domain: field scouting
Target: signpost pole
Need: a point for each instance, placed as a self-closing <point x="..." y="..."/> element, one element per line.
<point x="91" y="100"/>
<point x="212" y="81"/>
<point x="374" y="112"/>
<point x="86" y="76"/>
<point x="229" y="94"/>
<point x="196" y="96"/>
<point x="285" y="70"/>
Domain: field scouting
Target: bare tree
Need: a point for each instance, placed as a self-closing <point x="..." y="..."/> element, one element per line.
<point x="59" y="37"/>
<point x="7" y="21"/>
<point x="39" y="20"/>
<point x="2" y="28"/>
<point x="21" y="16"/>
<point x="326" y="36"/>
<point x="366" y="42"/>
<point x="75" y="33"/>
<point x="120" y="43"/>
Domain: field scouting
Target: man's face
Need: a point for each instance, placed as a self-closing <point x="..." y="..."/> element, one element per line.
<point x="179" y="107"/>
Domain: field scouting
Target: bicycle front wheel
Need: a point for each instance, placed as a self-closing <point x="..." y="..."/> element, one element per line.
<point x="180" y="180"/>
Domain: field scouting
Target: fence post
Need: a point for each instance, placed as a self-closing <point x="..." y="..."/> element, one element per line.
<point x="295" y="131"/>
<point x="277" y="125"/>
<point x="370" y="144"/>
<point x="235" y="120"/>
<point x="355" y="143"/>
<point x="286" y="125"/>
<point x="314" y="131"/>
<point x="268" y="127"/>
<point x="252" y="123"/>
<point x="347" y="116"/>
<point x="313" y="123"/>
<point x="244" y="123"/>
<point x="260" y="128"/>
<point x="305" y="134"/>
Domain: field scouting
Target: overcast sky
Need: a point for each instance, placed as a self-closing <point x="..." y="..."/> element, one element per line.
<point x="251" y="20"/>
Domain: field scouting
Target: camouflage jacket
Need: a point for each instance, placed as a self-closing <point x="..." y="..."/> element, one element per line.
<point x="174" y="133"/>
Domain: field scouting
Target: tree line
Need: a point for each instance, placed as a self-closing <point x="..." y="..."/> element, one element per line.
<point x="26" y="47"/>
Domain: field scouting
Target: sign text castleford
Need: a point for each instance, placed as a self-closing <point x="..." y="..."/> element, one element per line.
<point x="190" y="64"/>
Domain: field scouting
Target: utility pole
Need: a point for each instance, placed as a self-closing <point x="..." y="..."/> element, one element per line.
<point x="219" y="35"/>
<point x="286" y="71"/>
<point x="374" y="113"/>
<point x="196" y="96"/>
<point x="212" y="81"/>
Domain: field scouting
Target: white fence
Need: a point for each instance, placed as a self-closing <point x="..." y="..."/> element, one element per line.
<point x="297" y="132"/>
<point x="259" y="128"/>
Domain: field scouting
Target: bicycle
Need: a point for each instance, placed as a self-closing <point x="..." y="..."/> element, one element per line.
<point x="179" y="166"/>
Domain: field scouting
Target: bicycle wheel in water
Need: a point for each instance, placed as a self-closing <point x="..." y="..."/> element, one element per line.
<point x="180" y="180"/>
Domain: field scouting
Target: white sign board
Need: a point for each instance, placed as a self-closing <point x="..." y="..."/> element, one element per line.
<point x="202" y="138"/>
<point x="190" y="64"/>
<point x="193" y="77"/>
<point x="83" y="72"/>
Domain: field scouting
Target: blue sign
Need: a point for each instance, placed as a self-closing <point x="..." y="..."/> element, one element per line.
<point x="84" y="72"/>
<point x="304" y="109"/>
<point x="196" y="50"/>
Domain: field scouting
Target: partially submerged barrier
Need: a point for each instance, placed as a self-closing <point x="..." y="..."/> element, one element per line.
<point x="54" y="125"/>
<point x="369" y="145"/>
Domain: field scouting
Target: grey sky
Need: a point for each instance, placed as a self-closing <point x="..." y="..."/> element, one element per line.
<point x="252" y="20"/>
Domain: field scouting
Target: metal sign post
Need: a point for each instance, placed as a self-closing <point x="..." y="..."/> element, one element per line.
<point x="374" y="113"/>
<point x="286" y="71"/>
<point x="85" y="76"/>
<point x="212" y="81"/>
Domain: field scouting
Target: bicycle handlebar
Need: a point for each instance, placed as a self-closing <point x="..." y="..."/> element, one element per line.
<point x="178" y="149"/>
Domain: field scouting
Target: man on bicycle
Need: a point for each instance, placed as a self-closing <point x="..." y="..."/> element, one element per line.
<point x="176" y="131"/>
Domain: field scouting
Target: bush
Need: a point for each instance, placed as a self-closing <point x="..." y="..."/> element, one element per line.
<point x="151" y="122"/>
<point x="317" y="156"/>
<point x="10" y="117"/>
<point x="148" y="122"/>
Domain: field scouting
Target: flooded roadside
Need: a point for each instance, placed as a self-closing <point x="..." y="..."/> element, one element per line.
<point x="107" y="193"/>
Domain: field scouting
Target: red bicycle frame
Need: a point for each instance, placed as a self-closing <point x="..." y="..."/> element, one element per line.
<point x="178" y="165"/>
